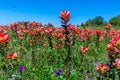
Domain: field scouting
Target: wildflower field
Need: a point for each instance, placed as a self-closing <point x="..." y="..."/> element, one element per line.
<point x="32" y="51"/>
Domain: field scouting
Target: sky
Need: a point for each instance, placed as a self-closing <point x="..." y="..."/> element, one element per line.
<point x="46" y="11"/>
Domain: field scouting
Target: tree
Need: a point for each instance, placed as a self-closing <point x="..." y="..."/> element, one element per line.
<point x="98" y="20"/>
<point x="115" y="21"/>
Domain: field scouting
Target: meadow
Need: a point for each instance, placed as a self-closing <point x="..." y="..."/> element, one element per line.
<point x="32" y="51"/>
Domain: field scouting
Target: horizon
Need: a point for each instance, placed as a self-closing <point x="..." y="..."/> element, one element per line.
<point x="46" y="11"/>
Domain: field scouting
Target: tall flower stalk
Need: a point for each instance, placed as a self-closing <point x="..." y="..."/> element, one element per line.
<point x="65" y="17"/>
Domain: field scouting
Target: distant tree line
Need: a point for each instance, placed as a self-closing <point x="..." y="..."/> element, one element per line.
<point x="99" y="21"/>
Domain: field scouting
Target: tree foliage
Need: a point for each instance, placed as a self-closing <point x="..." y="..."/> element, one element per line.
<point x="98" y="20"/>
<point x="115" y="21"/>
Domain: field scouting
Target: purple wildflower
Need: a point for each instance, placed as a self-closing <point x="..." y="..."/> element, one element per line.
<point x="21" y="69"/>
<point x="58" y="72"/>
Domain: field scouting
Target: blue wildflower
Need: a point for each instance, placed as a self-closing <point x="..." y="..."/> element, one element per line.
<point x="21" y="69"/>
<point x="58" y="72"/>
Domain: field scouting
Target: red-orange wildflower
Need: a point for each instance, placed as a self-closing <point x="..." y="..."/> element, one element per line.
<point x="12" y="55"/>
<point x="117" y="63"/>
<point x="58" y="45"/>
<point x="65" y="15"/>
<point x="102" y="68"/>
<point x="4" y="37"/>
<point x="83" y="49"/>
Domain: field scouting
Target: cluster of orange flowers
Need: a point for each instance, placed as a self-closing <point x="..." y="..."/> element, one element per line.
<point x="4" y="38"/>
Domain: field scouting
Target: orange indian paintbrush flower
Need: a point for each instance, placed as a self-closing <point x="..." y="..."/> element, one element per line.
<point x="65" y="15"/>
<point x="4" y="38"/>
<point x="102" y="68"/>
<point x="117" y="63"/>
<point x="12" y="55"/>
<point x="83" y="49"/>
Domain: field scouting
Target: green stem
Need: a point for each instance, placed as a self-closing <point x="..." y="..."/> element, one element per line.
<point x="119" y="75"/>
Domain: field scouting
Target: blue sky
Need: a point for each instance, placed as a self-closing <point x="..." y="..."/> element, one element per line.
<point x="48" y="10"/>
